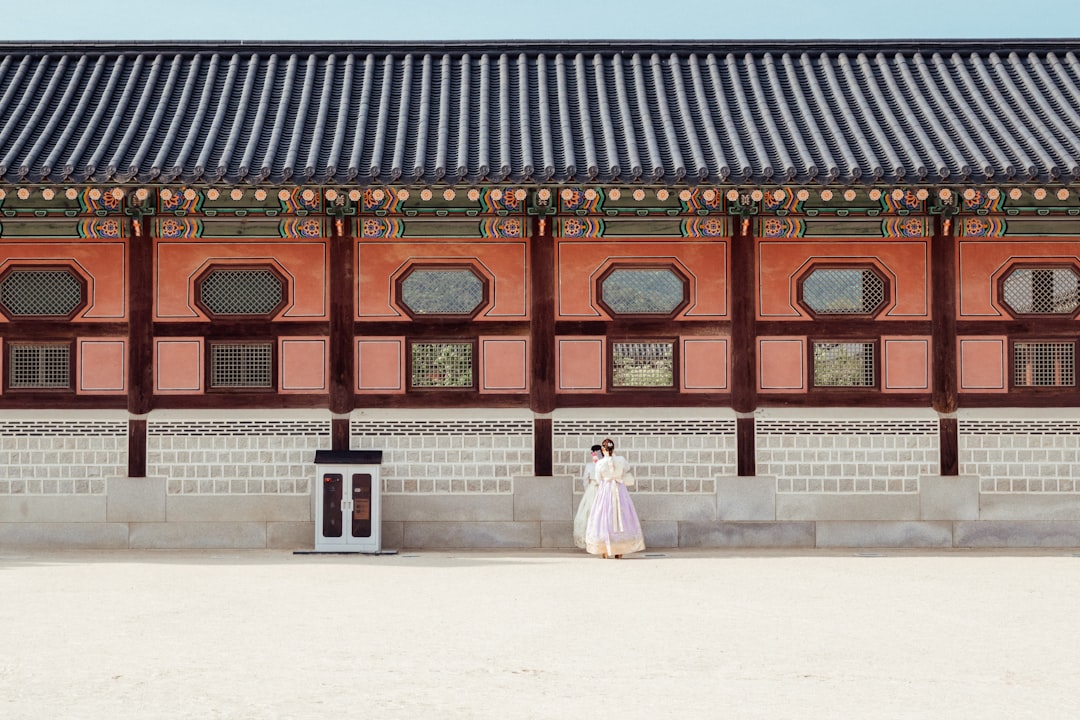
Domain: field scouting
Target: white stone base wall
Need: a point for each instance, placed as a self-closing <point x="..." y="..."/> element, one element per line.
<point x="262" y="453"/>
<point x="50" y="454"/>
<point x="464" y="480"/>
<point x="669" y="451"/>
<point x="447" y="453"/>
<point x="842" y="451"/>
<point x="1024" y="452"/>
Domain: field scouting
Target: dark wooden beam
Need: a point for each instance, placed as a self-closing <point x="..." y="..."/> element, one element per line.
<point x="949" y="439"/>
<point x="745" y="447"/>
<point x="136" y="448"/>
<point x="742" y="284"/>
<point x="342" y="314"/>
<point x="542" y="311"/>
<point x="140" y="334"/>
<point x="943" y="279"/>
<point x="340" y="434"/>
<point x="542" y="446"/>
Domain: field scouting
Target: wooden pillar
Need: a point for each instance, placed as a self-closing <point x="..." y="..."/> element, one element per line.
<point x="342" y="276"/>
<point x="140" y="340"/>
<point x="542" y="339"/>
<point x="743" y="283"/>
<point x="943" y="314"/>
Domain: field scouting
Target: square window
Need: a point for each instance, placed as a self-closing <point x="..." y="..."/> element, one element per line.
<point x="643" y="364"/>
<point x="442" y="365"/>
<point x="39" y="366"/>
<point x="242" y="366"/>
<point x="848" y="364"/>
<point x="1044" y="364"/>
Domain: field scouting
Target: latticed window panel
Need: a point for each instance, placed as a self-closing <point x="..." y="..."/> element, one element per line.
<point x="1042" y="291"/>
<point x="41" y="293"/>
<point x="1044" y="364"/>
<point x="643" y="291"/>
<point x="241" y="292"/>
<point x="39" y="365"/>
<point x="843" y="291"/>
<point x="442" y="291"/>
<point x="442" y="364"/>
<point x="241" y="365"/>
<point x="643" y="364"/>
<point x="844" y="365"/>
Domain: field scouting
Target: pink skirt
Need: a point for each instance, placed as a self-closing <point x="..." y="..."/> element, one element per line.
<point x="613" y="527"/>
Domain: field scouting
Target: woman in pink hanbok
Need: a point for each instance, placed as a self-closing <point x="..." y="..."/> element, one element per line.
<point x="613" y="528"/>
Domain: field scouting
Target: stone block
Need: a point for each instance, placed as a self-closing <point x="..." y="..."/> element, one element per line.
<point x="884" y="534"/>
<point x="675" y="507"/>
<point x="747" y="534"/>
<point x="556" y="534"/>
<point x="392" y="532"/>
<point x="290" y="535"/>
<point x="436" y="535"/>
<point x="847" y="506"/>
<point x="136" y="499"/>
<point x="945" y="497"/>
<point x="660" y="534"/>
<point x="746" y="498"/>
<point x="198" y="535"/>
<point x="64" y="536"/>
<point x="448" y="508"/>
<point x="1030" y="507"/>
<point x="52" y="508"/>
<point x="1005" y="534"/>
<point x="543" y="498"/>
<point x="238" y="508"/>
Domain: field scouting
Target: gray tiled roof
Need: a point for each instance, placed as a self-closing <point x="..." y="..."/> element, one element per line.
<point x="542" y="112"/>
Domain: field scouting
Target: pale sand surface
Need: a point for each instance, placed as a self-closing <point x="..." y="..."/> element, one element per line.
<point x="264" y="634"/>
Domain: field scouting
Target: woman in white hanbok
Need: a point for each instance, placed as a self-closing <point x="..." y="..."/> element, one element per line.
<point x="588" y="478"/>
<point x="613" y="528"/>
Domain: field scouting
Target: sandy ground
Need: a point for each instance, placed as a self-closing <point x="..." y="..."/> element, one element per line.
<point x="671" y="634"/>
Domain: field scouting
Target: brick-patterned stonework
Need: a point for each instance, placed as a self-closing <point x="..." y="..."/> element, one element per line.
<point x="847" y="456"/>
<point x="447" y="456"/>
<point x="1021" y="455"/>
<point x="235" y="457"/>
<point x="61" y="457"/>
<point x="676" y="455"/>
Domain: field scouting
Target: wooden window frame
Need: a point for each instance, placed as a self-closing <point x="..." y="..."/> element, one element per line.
<point x="886" y="295"/>
<point x="84" y="292"/>
<point x="598" y="289"/>
<point x="473" y="388"/>
<point x="8" y="365"/>
<point x="812" y="370"/>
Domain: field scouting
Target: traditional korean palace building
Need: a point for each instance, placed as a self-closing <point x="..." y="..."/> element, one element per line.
<point x="821" y="294"/>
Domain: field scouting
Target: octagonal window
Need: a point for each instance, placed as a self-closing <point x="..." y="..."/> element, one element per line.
<point x="658" y="291"/>
<point x="1042" y="291"/>
<point x="41" y="292"/>
<point x="241" y="291"/>
<point x="442" y="290"/>
<point x="843" y="291"/>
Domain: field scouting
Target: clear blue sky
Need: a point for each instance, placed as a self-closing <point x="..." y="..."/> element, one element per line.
<point x="29" y="20"/>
